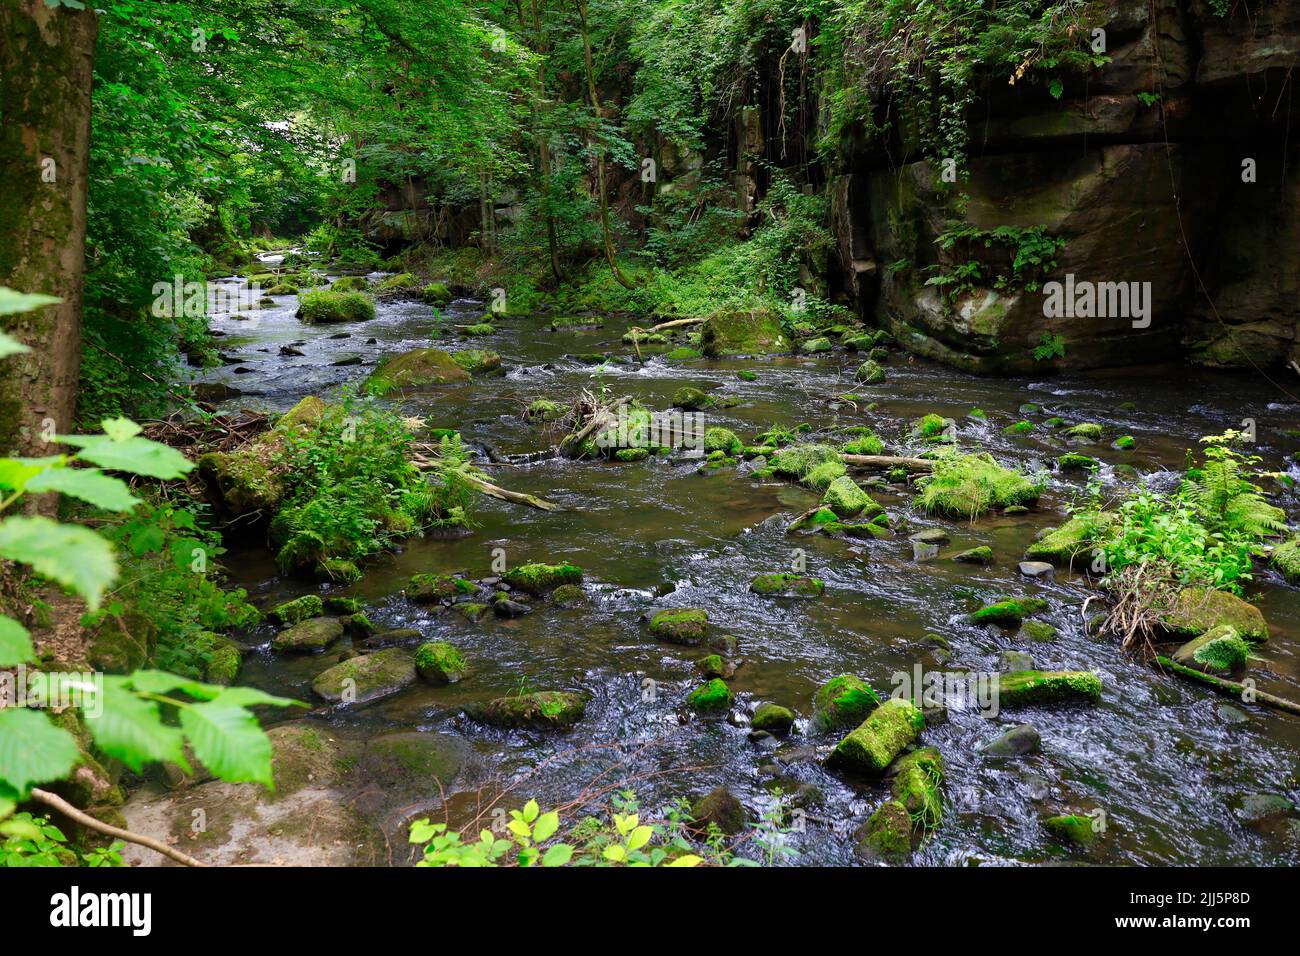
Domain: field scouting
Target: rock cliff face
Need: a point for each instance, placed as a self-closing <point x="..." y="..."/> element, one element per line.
<point x="1172" y="165"/>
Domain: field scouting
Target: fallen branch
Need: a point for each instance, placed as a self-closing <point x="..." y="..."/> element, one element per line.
<point x="601" y="418"/>
<point x="1229" y="687"/>
<point x="86" y="820"/>
<point x="673" y="324"/>
<point x="505" y="494"/>
<point x="887" y="461"/>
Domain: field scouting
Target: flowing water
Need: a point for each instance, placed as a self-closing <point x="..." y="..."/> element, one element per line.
<point x="1163" y="759"/>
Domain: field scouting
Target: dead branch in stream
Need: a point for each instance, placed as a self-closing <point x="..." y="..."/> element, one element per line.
<point x="1141" y="594"/>
<point x="482" y="485"/>
<point x="198" y="436"/>
<point x="86" y="820"/>
<point x="887" y="461"/>
<point x="599" y="415"/>
<point x="1229" y="687"/>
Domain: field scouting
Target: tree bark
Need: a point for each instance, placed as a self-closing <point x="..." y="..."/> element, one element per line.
<point x="46" y="60"/>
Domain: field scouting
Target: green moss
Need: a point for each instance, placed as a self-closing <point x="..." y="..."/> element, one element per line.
<point x="436" y="294"/>
<point x="1073" y="829"/>
<point x="479" y="330"/>
<point x="711" y="697"/>
<point x="870" y="372"/>
<point x="338" y="569"/>
<point x="321" y="306"/>
<point x="930" y="425"/>
<point x="843" y="701"/>
<point x="1038" y="631"/>
<point x="868" y="443"/>
<point x="964" y="486"/>
<point x="691" y="399"/>
<point x="723" y="440"/>
<point x="1286" y="559"/>
<point x="418" y="368"/>
<point x="787" y="585"/>
<point x="1073" y="461"/>
<point x="350" y="284"/>
<point x="428" y="588"/>
<point x="682" y="354"/>
<point x="299" y="609"/>
<point x="439" y="663"/>
<point x="1071" y="540"/>
<point x="1008" y="612"/>
<point x="1124" y="443"/>
<point x="688" y="626"/>
<point x="848" y="500"/>
<point x="712" y="666"/>
<point x="537" y="579"/>
<point x="772" y="718"/>
<point x="1220" y="650"/>
<point x="796" y="461"/>
<point x="747" y="375"/>
<point x="1197" y="610"/>
<point x="471" y="611"/>
<point x="1019" y="428"/>
<point x="631" y="454"/>
<point x="873" y="745"/>
<point x="366" y="677"/>
<point x="918" y="777"/>
<point x="981" y="555"/>
<point x="547" y="709"/>
<point x="1088" y="431"/>
<point x="312" y="634"/>
<point x="730" y="332"/>
<point x="401" y="283"/>
<point x="343" y="605"/>
<point x="1027" y="688"/>
<point x="820" y="477"/>
<point x="477" y="361"/>
<point x="569" y="594"/>
<point x="887" y="834"/>
<point x="546" y="410"/>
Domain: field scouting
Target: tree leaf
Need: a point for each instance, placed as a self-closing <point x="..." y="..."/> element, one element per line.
<point x="546" y="826"/>
<point x="531" y="809"/>
<point x="687" y="860"/>
<point x="15" y="643"/>
<point x="228" y="741"/>
<point x="88" y="484"/>
<point x="130" y="728"/>
<point x="640" y="837"/>
<point x="558" y="855"/>
<point x="120" y="429"/>
<point x="13" y="302"/>
<point x="140" y="456"/>
<point x="67" y="553"/>
<point x="33" y="750"/>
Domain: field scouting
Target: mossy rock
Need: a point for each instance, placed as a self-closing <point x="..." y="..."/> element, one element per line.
<point x="691" y="399"/>
<point x="773" y="718"/>
<point x="847" y="499"/>
<point x="325" y="306"/>
<point x="439" y="663"/>
<point x="787" y="585"/>
<point x="642" y="337"/>
<point x="1037" y="631"/>
<point x="711" y="697"/>
<point x="714" y="666"/>
<point x="543" y="409"/>
<point x="871" y="747"/>
<point x="122" y="643"/>
<point x="1073" y="829"/>
<point x="341" y="570"/>
<point x="723" y="440"/>
<point x="538" y="579"/>
<point x="408" y="761"/>
<point x="842" y="702"/>
<point x="366" y="677"/>
<point x="966" y="486"/>
<point x="1087" y="431"/>
<point x="686" y="626"/>
<point x="479" y="330"/>
<point x="1073" y="461"/>
<point x="358" y="626"/>
<point x="569" y="595"/>
<point x="868" y="444"/>
<point x="719" y="808"/>
<point x="870" y="372"/>
<point x="429" y="588"/>
<point x="242" y="482"/>
<point x="1008" y="612"/>
<point x="313" y="634"/>
<point x="917" y="781"/>
<point x="815" y="345"/>
<point x="299" y="609"/>
<point x="545" y="710"/>
<point x="350" y="284"/>
<point x="980" y="555"/>
<point x="731" y="332"/>
<point x="1124" y="443"/>
<point x="796" y="461"/>
<point x="1220" y="650"/>
<point x="1286" y="559"/>
<point x="1197" y="610"/>
<point x="477" y="361"/>
<point x="887" y="834"/>
<point x="436" y="294"/>
<point x="342" y="605"/>
<point x="681" y="354"/>
<point x="403" y="283"/>
<point x="1028" y="688"/>
<point x="471" y="611"/>
<point x="822" y="476"/>
<point x="222" y="658"/>
<point x="1071" y="541"/>
<point x="631" y="454"/>
<point x="418" y="368"/>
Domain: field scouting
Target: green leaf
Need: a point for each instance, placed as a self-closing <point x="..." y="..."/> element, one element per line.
<point x="120" y="429"/>
<point x="16" y="472"/>
<point x="10" y="346"/>
<point x="161" y="682"/>
<point x="546" y="826"/>
<point x="688" y="860"/>
<point x="13" y="302"/>
<point x="140" y="456"/>
<point x="33" y="750"/>
<point x="640" y="837"/>
<point x="15" y="644"/>
<point x="67" y="553"/>
<point x="558" y="855"/>
<point x="531" y="809"/>
<point x="88" y="484"/>
<point x="228" y="741"/>
<point x="22" y="829"/>
<point x="130" y="728"/>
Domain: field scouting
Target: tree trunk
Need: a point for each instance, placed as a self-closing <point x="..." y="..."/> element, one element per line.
<point x="46" y="57"/>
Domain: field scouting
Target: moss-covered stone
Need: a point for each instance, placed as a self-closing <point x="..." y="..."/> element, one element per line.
<point x="428" y="588"/>
<point x="785" y="584"/>
<point x="965" y="486"/>
<point x="1087" y="431"/>
<point x="418" y="368"/>
<point x="323" y="306"/>
<point x="688" y="626"/>
<point x="1071" y="541"/>
<point x="403" y="283"/>
<point x="342" y="605"/>
<point x="222" y="659"/>
<point x="820" y="477"/>
<point x="436" y="294"/>
<point x="842" y="702"/>
<point x="873" y="745"/>
<point x="917" y="782"/>
<point x="691" y="399"/>
<point x="870" y="372"/>
<point x="796" y="461"/>
<point x="1073" y="461"/>
<point x="631" y="454"/>
<point x="723" y="440"/>
<point x="471" y="611"/>
<point x="1220" y="650"/>
<point x="1019" y="428"/>
<point x="847" y="499"/>
<point x="313" y="634"/>
<point x="565" y="322"/>
<point x="730" y="332"/>
<point x="711" y="697"/>
<point x="1197" y="610"/>
<point x="1008" y="612"/>
<point x="543" y="409"/>
<point x="1037" y="631"/>
<point x="569" y="595"/>
<point x="772" y="718"/>
<point x="721" y="809"/>
<point x="980" y="555"/>
<point x="1028" y="688"/>
<point x="477" y="361"/>
<point x="366" y="677"/>
<point x="1073" y="829"/>
<point x="350" y="284"/>
<point x="121" y="643"/>
<point x="545" y="710"/>
<point x="439" y="663"/>
<point x="243" y="482"/>
<point x="538" y="579"/>
<point x="299" y="609"/>
<point x="887" y="834"/>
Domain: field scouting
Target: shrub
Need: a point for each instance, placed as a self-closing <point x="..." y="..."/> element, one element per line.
<point x="326" y="305"/>
<point x="964" y="486"/>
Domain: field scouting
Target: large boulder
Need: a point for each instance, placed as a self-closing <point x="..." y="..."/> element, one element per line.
<point x="873" y="745"/>
<point x="418" y="368"/>
<point x="743" y="332"/>
<point x="1197" y="610"/>
<point x="313" y="634"/>
<point x="366" y="677"/>
<point x="547" y="709"/>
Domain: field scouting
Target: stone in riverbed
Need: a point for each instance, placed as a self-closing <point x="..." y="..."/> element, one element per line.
<point x="1017" y="742"/>
<point x="507" y="608"/>
<point x="299" y="609"/>
<point x="887" y="834"/>
<point x="687" y="626"/>
<point x="1008" y="612"/>
<point x="1220" y="650"/>
<point x="1197" y="610"/>
<point x="720" y="808"/>
<point x="712" y="697"/>
<point x="1071" y="541"/>
<point x="313" y="634"/>
<point x="569" y="595"/>
<point x="366" y="677"/>
<point x="1039" y="570"/>
<point x="417" y="368"/>
<point x="842" y="702"/>
<point x="934" y="536"/>
<point x="772" y="718"/>
<point x="691" y="399"/>
<point x="848" y="500"/>
<point x="477" y="361"/>
<point x="1074" y="829"/>
<point x="917" y="779"/>
<point x="743" y="332"/>
<point x="1027" y="688"/>
<point x="439" y="663"/>
<point x="787" y="585"/>
<point x="546" y="709"/>
<point x="980" y="555"/>
<point x="429" y="588"/>
<point x="874" y="744"/>
<point x="715" y="666"/>
<point x="538" y="579"/>
<point x="1258" y="807"/>
<point x="471" y="611"/>
<point x="1036" y="631"/>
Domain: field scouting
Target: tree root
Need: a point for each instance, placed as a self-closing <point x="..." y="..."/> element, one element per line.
<point x="86" y="820"/>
